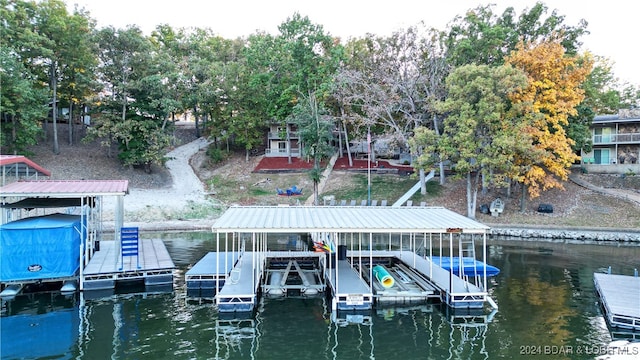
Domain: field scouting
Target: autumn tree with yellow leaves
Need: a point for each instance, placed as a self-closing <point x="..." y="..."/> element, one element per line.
<point x="552" y="96"/>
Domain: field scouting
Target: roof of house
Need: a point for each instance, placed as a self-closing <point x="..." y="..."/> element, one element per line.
<point x="65" y="188"/>
<point x="344" y="219"/>
<point x="623" y="115"/>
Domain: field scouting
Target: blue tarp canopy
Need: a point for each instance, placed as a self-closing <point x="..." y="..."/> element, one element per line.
<point x="38" y="248"/>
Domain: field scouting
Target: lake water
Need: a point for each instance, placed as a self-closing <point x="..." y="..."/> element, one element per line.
<point x="547" y="309"/>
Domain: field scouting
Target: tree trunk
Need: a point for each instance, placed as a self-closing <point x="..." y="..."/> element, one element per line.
<point x="346" y="140"/>
<point x="14" y="135"/>
<point x="195" y="114"/>
<point x="288" y="145"/>
<point x="484" y="184"/>
<point x="469" y="208"/>
<point x="54" y="85"/>
<point x="423" y="183"/>
<point x="441" y="165"/>
<point x="70" y="123"/>
<point x="472" y="195"/>
<point x="523" y="198"/>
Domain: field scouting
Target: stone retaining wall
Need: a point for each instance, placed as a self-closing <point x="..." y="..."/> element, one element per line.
<point x="588" y="235"/>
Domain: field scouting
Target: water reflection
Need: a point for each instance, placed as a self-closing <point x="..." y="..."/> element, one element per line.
<point x="545" y="294"/>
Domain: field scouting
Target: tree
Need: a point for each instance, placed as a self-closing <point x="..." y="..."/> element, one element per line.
<point x="553" y="94"/>
<point x="136" y="107"/>
<point x="23" y="98"/>
<point x="482" y="37"/>
<point x="315" y="131"/>
<point x="66" y="51"/>
<point x="392" y="84"/>
<point x="483" y="131"/>
<point x="22" y="104"/>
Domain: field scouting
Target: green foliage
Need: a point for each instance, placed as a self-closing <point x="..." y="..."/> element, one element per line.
<point x="483" y="133"/>
<point x="483" y="38"/>
<point x="142" y="143"/>
<point x="216" y="155"/>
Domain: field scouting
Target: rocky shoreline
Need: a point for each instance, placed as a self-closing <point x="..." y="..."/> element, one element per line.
<point x="497" y="231"/>
<point x="588" y="234"/>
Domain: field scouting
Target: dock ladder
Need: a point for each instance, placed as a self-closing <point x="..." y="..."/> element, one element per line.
<point x="129" y="245"/>
<point x="467" y="250"/>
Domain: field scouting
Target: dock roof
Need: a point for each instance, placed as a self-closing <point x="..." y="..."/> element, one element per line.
<point x="18" y="165"/>
<point x="65" y="188"/>
<point x="359" y="219"/>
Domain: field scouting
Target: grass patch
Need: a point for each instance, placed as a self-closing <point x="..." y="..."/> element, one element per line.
<point x="201" y="211"/>
<point x="383" y="187"/>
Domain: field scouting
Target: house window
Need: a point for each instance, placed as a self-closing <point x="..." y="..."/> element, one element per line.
<point x="282" y="146"/>
<point x="602" y="135"/>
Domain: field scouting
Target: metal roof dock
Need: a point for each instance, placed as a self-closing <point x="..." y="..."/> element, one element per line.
<point x="360" y="219"/>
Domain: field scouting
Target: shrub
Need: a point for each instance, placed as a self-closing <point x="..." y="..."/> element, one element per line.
<point x="216" y="155"/>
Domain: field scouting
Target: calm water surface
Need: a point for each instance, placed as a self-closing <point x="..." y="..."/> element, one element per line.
<point x="545" y="292"/>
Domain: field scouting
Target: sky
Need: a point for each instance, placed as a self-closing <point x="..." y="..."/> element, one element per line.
<point x="612" y="23"/>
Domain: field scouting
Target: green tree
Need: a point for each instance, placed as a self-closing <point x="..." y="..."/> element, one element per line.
<point x="23" y="97"/>
<point x="315" y="131"/>
<point x="22" y="104"/>
<point x="482" y="37"/>
<point x="135" y="108"/>
<point x="484" y="132"/>
<point x="65" y="50"/>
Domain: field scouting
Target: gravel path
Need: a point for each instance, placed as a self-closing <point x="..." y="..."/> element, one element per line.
<point x="186" y="188"/>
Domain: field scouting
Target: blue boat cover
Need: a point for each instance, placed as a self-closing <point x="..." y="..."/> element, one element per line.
<point x="44" y="247"/>
<point x="472" y="267"/>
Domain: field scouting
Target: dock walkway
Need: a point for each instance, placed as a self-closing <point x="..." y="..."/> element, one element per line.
<point x="620" y="296"/>
<point x="106" y="267"/>
<point x="351" y="292"/>
<point x="455" y="292"/>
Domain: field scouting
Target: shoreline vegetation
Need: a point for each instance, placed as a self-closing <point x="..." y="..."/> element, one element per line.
<point x="579" y="210"/>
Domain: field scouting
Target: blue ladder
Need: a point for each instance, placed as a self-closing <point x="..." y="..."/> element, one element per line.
<point x="129" y="245"/>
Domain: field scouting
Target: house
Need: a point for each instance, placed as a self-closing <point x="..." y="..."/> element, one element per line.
<point x="616" y="144"/>
<point x="283" y="140"/>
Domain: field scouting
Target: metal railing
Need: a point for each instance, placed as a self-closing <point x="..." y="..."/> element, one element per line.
<point x="274" y="135"/>
<point x="616" y="138"/>
<point x="280" y="152"/>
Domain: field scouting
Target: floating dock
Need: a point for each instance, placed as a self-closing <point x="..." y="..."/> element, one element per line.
<point x="236" y="280"/>
<point x="620" y="297"/>
<point x="153" y="265"/>
<point x="366" y="276"/>
<point x="208" y="275"/>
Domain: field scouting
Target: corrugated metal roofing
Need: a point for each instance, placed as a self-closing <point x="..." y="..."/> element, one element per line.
<point x="65" y="188"/>
<point x="292" y="219"/>
<point x="21" y="166"/>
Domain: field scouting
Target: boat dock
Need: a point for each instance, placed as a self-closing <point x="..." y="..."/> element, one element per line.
<point x="356" y="279"/>
<point x="208" y="275"/>
<point x="236" y="282"/>
<point x="153" y="265"/>
<point x="350" y="290"/>
<point x="418" y="278"/>
<point x="620" y="297"/>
